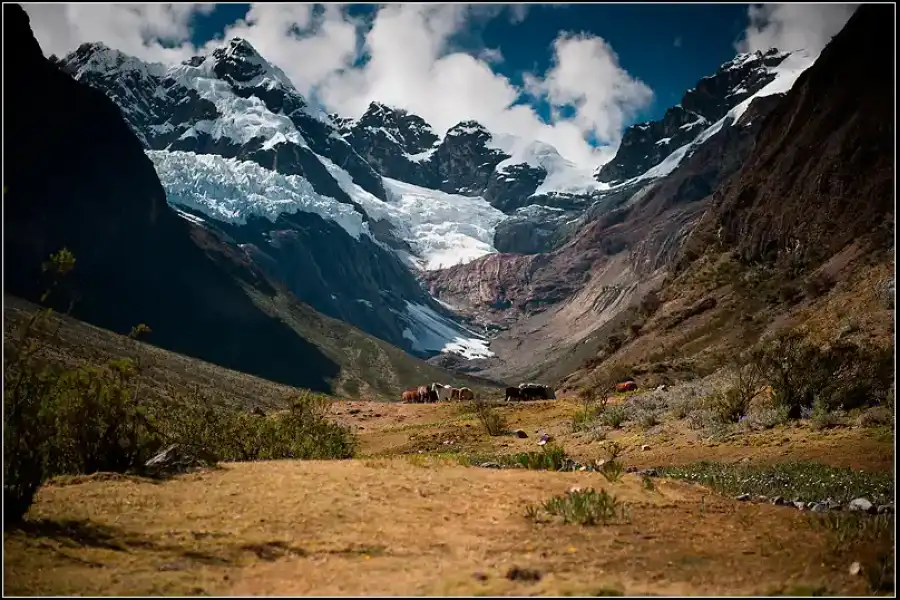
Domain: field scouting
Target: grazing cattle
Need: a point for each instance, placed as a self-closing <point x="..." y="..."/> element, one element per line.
<point x="513" y="394"/>
<point x="534" y="391"/>
<point x="424" y="393"/>
<point x="442" y="391"/>
<point x="454" y="394"/>
<point x="410" y="396"/>
<point x="626" y="386"/>
<point x="465" y="394"/>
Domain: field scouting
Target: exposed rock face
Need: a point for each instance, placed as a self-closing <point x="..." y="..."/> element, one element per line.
<point x="822" y="173"/>
<point x="398" y="144"/>
<point x="647" y="144"/>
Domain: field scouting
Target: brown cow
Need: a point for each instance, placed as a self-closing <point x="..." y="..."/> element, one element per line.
<point x="466" y="395"/>
<point x="626" y="386"/>
<point x="410" y="396"/>
<point x="454" y="394"/>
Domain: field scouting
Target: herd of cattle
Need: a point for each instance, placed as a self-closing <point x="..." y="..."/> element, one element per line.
<point x="438" y="392"/>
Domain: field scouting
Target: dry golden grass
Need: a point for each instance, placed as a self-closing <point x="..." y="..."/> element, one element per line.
<point x="391" y="527"/>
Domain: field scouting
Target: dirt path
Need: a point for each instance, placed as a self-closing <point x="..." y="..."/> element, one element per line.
<point x="392" y="527"/>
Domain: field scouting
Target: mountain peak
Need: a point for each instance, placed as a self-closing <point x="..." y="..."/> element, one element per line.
<point x="469" y="127"/>
<point x="241" y="47"/>
<point x="239" y="63"/>
<point x="99" y="58"/>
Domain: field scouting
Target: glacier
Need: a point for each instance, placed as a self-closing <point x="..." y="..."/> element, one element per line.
<point x="430" y="332"/>
<point x="231" y="190"/>
<point x="442" y="229"/>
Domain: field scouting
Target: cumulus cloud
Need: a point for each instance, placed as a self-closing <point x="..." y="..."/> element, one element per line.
<point x="152" y="32"/>
<point x="793" y="26"/>
<point x="402" y="55"/>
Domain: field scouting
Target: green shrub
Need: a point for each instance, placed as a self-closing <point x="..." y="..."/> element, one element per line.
<point x="493" y="421"/>
<point x="843" y="375"/>
<point x="614" y="416"/>
<point x="551" y="458"/>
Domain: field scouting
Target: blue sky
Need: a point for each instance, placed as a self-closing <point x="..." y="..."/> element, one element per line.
<point x="667" y="46"/>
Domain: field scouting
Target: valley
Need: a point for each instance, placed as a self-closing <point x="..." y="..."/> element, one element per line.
<point x="219" y="296"/>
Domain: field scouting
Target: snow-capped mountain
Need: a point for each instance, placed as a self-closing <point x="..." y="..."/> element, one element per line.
<point x="646" y="145"/>
<point x="239" y="150"/>
<point x="393" y="141"/>
<point x="506" y="170"/>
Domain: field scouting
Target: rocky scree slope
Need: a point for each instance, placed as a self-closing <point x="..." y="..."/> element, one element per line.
<point x="137" y="261"/>
<point x="237" y="147"/>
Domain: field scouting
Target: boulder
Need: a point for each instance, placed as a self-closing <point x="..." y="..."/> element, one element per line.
<point x="179" y="458"/>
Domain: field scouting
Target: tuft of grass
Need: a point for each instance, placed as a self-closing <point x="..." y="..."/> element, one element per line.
<point x="551" y="457"/>
<point x="612" y="469"/>
<point x="806" y="481"/>
<point x="582" y="507"/>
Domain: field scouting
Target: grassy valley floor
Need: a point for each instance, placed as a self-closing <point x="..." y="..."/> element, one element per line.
<point x="411" y="517"/>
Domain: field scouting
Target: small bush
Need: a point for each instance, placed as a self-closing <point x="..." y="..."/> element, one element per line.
<point x="493" y="421"/>
<point x="823" y="418"/>
<point x="842" y="375"/>
<point x="765" y="418"/>
<point x="680" y="408"/>
<point x="728" y="406"/>
<point x="876" y="417"/>
<point x="614" y="416"/>
<point x="611" y="468"/>
<point x="647" y="418"/>
<point x="584" y="507"/>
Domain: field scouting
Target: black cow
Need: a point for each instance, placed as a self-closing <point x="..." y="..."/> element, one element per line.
<point x="513" y="393"/>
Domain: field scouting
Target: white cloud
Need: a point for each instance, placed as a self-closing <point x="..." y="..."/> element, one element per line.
<point x="793" y="26"/>
<point x="134" y="29"/>
<point x="403" y="56"/>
